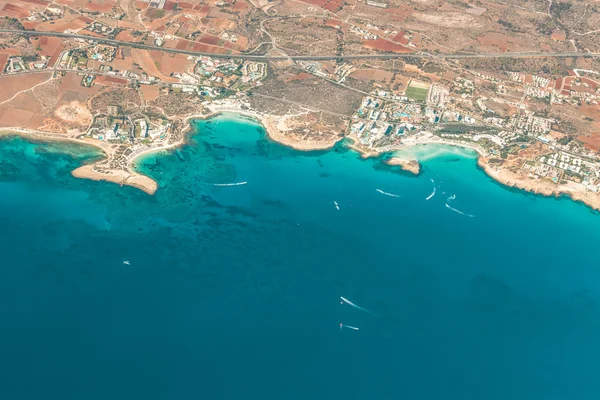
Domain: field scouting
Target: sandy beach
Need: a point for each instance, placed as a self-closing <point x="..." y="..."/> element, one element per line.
<point x="275" y="128"/>
<point x="502" y="175"/>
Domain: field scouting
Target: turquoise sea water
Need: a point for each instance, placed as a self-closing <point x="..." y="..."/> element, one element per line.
<point x="234" y="291"/>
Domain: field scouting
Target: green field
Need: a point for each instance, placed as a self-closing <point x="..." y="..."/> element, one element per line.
<point x="416" y="93"/>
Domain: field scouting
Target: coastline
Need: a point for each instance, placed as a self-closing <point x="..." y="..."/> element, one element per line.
<point x="86" y="171"/>
<point x="502" y="176"/>
<point x="132" y="178"/>
<point x="511" y="179"/>
<point x="270" y="124"/>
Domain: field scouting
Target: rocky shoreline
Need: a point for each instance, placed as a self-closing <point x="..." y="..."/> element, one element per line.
<point x="411" y="166"/>
<point x="511" y="179"/>
<point x="271" y="124"/>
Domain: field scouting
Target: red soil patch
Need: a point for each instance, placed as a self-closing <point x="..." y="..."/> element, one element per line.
<point x="3" y="60"/>
<point x="558" y="35"/>
<point x="94" y="34"/>
<point x="202" y="11"/>
<point x="205" y="48"/>
<point x="30" y="24"/>
<point x="591" y="142"/>
<point x="333" y="22"/>
<point x="111" y="81"/>
<point x="299" y="77"/>
<point x="170" y="5"/>
<point x="150" y="62"/>
<point x="102" y="6"/>
<point x="333" y="5"/>
<point x="221" y="24"/>
<point x="38" y="2"/>
<point x="182" y="44"/>
<point x="17" y="117"/>
<point x="504" y="42"/>
<point x="241" y="6"/>
<point x="61" y="26"/>
<point x="199" y="47"/>
<point x="173" y="63"/>
<point x="130" y="25"/>
<point x="591" y="83"/>
<point x="10" y="51"/>
<point x="150" y="92"/>
<point x="186" y="6"/>
<point x="125" y="36"/>
<point x="23" y="111"/>
<point x="47" y="44"/>
<point x="399" y="36"/>
<point x="242" y="42"/>
<point x="209" y="39"/>
<point x="13" y="84"/>
<point x="125" y="63"/>
<point x="558" y="84"/>
<point x="590" y="111"/>
<point x="385" y="45"/>
<point x="318" y="3"/>
<point x="372" y="75"/>
<point x="233" y="46"/>
<point x="142" y="5"/>
<point x="400" y="14"/>
<point x="11" y="10"/>
<point x="157" y="24"/>
<point x="56" y="54"/>
<point x="70" y="82"/>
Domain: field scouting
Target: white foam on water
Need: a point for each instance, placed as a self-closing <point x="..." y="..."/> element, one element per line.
<point x="231" y="184"/>
<point x="386" y="193"/>
<point x="460" y="212"/>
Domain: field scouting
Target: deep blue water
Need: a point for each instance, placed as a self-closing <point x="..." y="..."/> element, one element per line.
<point x="234" y="292"/>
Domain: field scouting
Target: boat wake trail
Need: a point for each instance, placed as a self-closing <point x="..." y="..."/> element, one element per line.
<point x="342" y="326"/>
<point x="356" y="306"/>
<point x="231" y="184"/>
<point x="432" y="193"/>
<point x="460" y="212"/>
<point x="337" y="206"/>
<point x="451" y="197"/>
<point x="386" y="193"/>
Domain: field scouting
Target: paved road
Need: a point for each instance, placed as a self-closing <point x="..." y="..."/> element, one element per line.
<point x="307" y="58"/>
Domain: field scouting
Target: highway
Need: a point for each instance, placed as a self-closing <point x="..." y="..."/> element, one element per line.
<point x="387" y="56"/>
